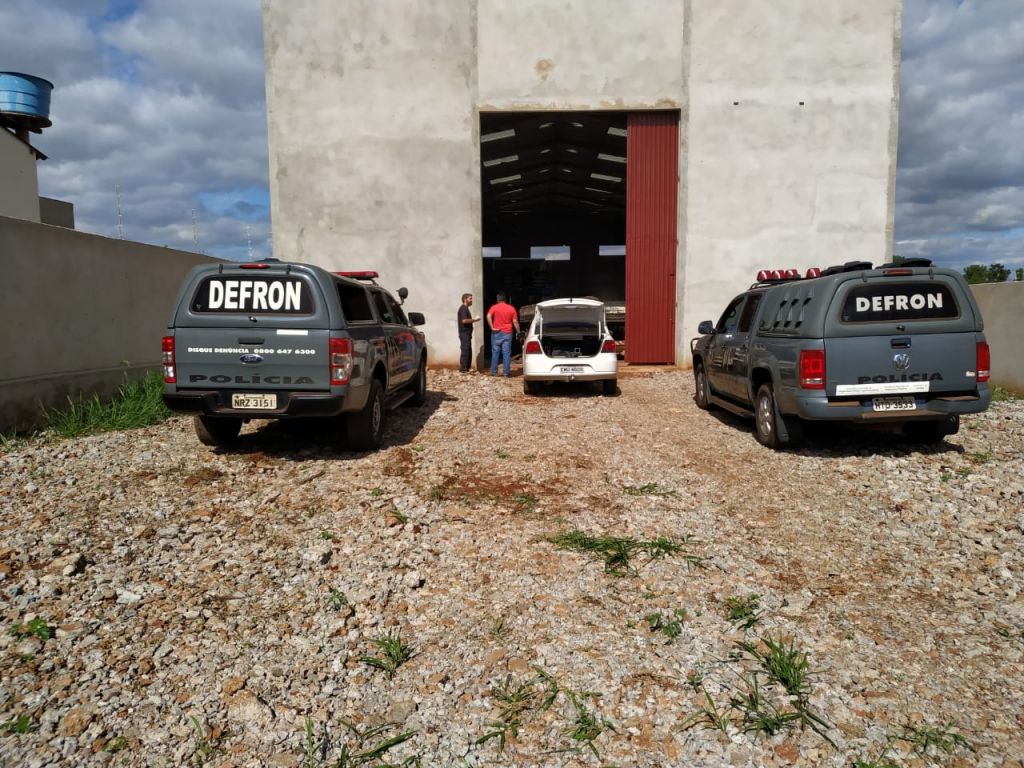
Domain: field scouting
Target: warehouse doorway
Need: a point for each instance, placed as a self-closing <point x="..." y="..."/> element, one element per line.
<point x="560" y="210"/>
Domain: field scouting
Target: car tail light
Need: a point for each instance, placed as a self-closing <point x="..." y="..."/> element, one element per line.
<point x="532" y="348"/>
<point x="608" y="346"/>
<point x="341" y="361"/>
<point x="984" y="360"/>
<point x="170" y="374"/>
<point x="812" y="368"/>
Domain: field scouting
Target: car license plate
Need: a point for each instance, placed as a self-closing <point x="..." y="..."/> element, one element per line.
<point x="893" y="404"/>
<point x="254" y="402"/>
<point x="571" y="369"/>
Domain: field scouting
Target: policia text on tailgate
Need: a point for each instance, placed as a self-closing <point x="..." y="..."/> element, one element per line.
<point x="271" y="340"/>
<point x="900" y="345"/>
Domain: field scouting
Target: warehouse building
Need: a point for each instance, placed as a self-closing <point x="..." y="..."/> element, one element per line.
<point x="655" y="154"/>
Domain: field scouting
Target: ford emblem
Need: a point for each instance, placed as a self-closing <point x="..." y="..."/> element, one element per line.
<point x="901" y="361"/>
<point x="251" y="358"/>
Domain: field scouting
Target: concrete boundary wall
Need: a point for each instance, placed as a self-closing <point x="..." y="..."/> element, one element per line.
<point x="77" y="313"/>
<point x="1002" y="307"/>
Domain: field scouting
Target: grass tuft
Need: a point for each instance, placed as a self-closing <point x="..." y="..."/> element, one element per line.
<point x="744" y="612"/>
<point x="19" y="725"/>
<point x="37" y="627"/>
<point x="648" y="489"/>
<point x="944" y="738"/>
<point x="138" y="403"/>
<point x="394" y="653"/>
<point x="619" y="553"/>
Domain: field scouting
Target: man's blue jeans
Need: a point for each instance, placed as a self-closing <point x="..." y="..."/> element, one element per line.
<point x="501" y="344"/>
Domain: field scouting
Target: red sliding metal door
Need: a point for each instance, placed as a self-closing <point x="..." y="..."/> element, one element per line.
<point x="652" y="182"/>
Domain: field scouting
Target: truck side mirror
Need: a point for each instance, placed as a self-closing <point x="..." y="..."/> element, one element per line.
<point x="706" y="328"/>
<point x="417" y="318"/>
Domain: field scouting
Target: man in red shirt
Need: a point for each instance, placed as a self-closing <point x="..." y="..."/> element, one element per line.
<point x="501" y="319"/>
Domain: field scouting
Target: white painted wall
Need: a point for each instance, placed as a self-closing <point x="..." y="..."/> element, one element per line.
<point x="1002" y="308"/>
<point x="19" y="184"/>
<point x="374" y="112"/>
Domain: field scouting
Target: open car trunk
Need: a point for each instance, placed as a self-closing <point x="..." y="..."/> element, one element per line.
<point x="571" y="330"/>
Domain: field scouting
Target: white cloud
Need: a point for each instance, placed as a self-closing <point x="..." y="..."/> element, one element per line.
<point x="163" y="99"/>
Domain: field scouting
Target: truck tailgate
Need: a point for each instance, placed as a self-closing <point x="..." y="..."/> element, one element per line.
<point x="884" y="365"/>
<point x="252" y="358"/>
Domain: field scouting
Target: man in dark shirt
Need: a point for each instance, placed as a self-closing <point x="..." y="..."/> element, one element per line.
<point x="466" y="321"/>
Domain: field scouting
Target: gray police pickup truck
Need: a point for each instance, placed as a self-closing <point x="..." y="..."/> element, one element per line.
<point x="900" y="345"/>
<point x="272" y="340"/>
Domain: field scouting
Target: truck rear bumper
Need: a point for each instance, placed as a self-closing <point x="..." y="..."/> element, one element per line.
<point x="861" y="410"/>
<point x="215" y="402"/>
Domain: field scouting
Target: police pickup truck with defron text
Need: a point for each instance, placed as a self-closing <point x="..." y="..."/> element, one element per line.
<point x="272" y="340"/>
<point x="900" y="345"/>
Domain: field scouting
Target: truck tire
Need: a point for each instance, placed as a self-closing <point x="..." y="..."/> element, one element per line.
<point x="216" y="430"/>
<point x="419" y="386"/>
<point x="366" y="427"/>
<point x="700" y="380"/>
<point x="609" y="387"/>
<point x="767" y="422"/>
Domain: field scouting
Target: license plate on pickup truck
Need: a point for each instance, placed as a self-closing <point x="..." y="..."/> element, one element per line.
<point x="571" y="369"/>
<point x="893" y="404"/>
<point x="254" y="402"/>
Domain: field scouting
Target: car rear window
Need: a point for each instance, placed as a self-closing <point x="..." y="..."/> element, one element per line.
<point x="894" y="302"/>
<point x="260" y="295"/>
<point x="355" y="304"/>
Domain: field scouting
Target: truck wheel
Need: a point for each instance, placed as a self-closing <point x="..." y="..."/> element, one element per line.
<point x="419" y="386"/>
<point x="609" y="387"/>
<point x="366" y="427"/>
<point x="764" y="417"/>
<point x="702" y="395"/>
<point x="216" y="430"/>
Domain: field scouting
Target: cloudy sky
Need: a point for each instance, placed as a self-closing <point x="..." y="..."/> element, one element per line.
<point x="165" y="99"/>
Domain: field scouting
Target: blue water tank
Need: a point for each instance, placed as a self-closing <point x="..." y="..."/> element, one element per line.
<point x="25" y="101"/>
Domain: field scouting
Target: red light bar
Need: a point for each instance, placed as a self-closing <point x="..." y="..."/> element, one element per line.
<point x="813" y="272"/>
<point x="254" y="266"/>
<point x="897" y="272"/>
<point x="363" y="275"/>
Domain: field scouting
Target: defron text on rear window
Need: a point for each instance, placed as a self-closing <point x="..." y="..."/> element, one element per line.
<point x="894" y="302"/>
<point x="256" y="295"/>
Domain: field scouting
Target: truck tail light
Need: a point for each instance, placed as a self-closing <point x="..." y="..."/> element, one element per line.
<point x="608" y="346"/>
<point x="341" y="361"/>
<point x="532" y="348"/>
<point x="812" y="368"/>
<point x="984" y="361"/>
<point x="170" y="373"/>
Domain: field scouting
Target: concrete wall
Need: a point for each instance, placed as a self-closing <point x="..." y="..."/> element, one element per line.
<point x="1002" y="307"/>
<point x="59" y="213"/>
<point x="19" y="184"/>
<point x="373" y="111"/>
<point x="792" y="141"/>
<point x="78" y="312"/>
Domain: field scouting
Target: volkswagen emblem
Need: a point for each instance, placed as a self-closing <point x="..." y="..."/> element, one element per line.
<point x="901" y="361"/>
<point x="251" y="359"/>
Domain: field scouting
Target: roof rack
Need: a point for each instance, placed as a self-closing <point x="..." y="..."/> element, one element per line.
<point x="915" y="261"/>
<point x="367" y="274"/>
<point x="850" y="266"/>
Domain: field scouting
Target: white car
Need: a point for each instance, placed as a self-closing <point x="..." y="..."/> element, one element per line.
<point x="569" y="340"/>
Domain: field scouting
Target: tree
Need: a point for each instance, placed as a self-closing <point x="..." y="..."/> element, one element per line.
<point x="976" y="273"/>
<point x="980" y="273"/>
<point x="997" y="273"/>
<point x="1020" y="274"/>
<point x="897" y="259"/>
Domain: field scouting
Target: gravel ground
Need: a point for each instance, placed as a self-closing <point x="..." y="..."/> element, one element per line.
<point x="169" y="605"/>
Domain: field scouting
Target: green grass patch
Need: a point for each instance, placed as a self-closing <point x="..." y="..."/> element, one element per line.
<point x="744" y="612"/>
<point x="670" y="625"/>
<point x="19" y="725"/>
<point x="1000" y="395"/>
<point x="619" y="553"/>
<point x="394" y="653"/>
<point x="138" y="403"/>
<point x="37" y="627"/>
<point x="358" y="747"/>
